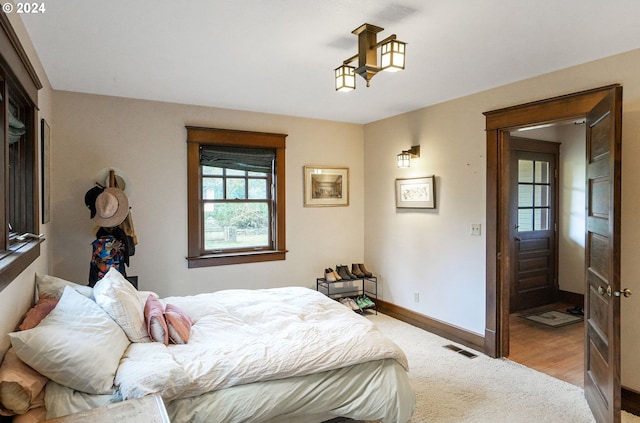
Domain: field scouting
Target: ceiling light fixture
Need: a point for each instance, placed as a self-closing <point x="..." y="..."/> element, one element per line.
<point x="392" y="54"/>
<point x="404" y="158"/>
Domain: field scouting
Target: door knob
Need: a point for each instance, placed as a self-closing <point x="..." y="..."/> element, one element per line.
<point x="601" y="290"/>
<point x="518" y="239"/>
<point x="624" y="293"/>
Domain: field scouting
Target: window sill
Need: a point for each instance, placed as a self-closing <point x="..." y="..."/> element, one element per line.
<point x="15" y="262"/>
<point x="208" y="260"/>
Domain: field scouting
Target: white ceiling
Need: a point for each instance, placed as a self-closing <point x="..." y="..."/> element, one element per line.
<point x="278" y="56"/>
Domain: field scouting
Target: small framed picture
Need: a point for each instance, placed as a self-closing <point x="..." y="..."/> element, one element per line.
<point x="416" y="193"/>
<point x="326" y="186"/>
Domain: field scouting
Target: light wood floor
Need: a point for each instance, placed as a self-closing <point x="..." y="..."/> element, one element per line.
<point x="558" y="352"/>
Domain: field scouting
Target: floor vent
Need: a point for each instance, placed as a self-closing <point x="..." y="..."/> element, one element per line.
<point x="459" y="350"/>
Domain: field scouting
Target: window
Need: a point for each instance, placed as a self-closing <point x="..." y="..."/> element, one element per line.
<point x="19" y="86"/>
<point x="534" y="195"/>
<point x="235" y="196"/>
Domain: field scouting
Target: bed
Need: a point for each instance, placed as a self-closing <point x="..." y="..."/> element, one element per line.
<point x="270" y="355"/>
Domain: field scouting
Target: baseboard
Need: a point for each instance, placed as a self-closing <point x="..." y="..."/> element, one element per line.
<point x="450" y="332"/>
<point x="570" y="297"/>
<point x="630" y="401"/>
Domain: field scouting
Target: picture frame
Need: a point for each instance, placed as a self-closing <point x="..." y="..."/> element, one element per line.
<point x="416" y="193"/>
<point x="326" y="186"/>
<point x="45" y="151"/>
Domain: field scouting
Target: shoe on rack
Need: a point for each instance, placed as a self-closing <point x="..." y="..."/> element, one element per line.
<point x="355" y="269"/>
<point x="361" y="303"/>
<point x="364" y="270"/>
<point x="342" y="272"/>
<point x="354" y="305"/>
<point x="368" y="301"/>
<point x="349" y="273"/>
<point x="328" y="275"/>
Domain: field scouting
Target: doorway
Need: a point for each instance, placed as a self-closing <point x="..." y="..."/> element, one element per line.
<point x="602" y="109"/>
<point x="547" y="217"/>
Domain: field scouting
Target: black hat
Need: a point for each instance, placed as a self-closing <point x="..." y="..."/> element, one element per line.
<point x="90" y="198"/>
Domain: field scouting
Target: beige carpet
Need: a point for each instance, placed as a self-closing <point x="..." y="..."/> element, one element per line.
<point x="451" y="388"/>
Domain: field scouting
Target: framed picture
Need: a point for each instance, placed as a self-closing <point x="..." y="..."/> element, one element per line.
<point x="416" y="193"/>
<point x="45" y="151"/>
<point x="326" y="186"/>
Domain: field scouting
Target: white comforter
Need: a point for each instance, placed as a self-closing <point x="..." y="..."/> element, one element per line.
<point x="245" y="336"/>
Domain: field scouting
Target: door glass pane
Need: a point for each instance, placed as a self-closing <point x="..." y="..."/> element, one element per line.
<point x="525" y="220"/>
<point x="541" y="217"/>
<point x="525" y="195"/>
<point x="542" y="172"/>
<point x="525" y="170"/>
<point x="542" y="196"/>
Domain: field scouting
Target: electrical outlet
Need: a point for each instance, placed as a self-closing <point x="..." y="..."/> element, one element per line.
<point x="416" y="297"/>
<point x="476" y="229"/>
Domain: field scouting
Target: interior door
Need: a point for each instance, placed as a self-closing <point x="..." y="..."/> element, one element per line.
<point x="534" y="166"/>
<point x="602" y="299"/>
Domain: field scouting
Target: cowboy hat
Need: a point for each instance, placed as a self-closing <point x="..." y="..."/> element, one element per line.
<point x="112" y="207"/>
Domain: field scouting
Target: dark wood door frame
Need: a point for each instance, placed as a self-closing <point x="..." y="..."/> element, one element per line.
<point x="498" y="122"/>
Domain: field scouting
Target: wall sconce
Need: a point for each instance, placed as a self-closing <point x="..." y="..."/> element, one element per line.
<point x="404" y="158"/>
<point x="391" y="57"/>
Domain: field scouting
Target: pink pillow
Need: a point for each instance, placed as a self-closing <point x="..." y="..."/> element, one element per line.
<point x="154" y="316"/>
<point x="178" y="323"/>
<point x="38" y="312"/>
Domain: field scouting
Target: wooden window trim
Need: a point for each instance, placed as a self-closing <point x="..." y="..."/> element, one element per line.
<point x="196" y="137"/>
<point x="19" y="76"/>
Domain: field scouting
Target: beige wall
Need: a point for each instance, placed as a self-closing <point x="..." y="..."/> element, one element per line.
<point x="431" y="251"/>
<point x="18" y="296"/>
<point x="147" y="140"/>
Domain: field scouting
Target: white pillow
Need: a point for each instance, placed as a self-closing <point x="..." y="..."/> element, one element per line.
<point x="50" y="286"/>
<point x="121" y="301"/>
<point x="77" y="345"/>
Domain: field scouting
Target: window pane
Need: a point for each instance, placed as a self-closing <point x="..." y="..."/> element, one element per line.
<point x="236" y="189"/>
<point x="233" y="172"/>
<point x="257" y="189"/>
<point x="541" y="219"/>
<point x="208" y="170"/>
<point x="258" y="174"/>
<point x="525" y="195"/>
<point x="542" y="196"/>
<point x="237" y="225"/>
<point x="542" y="172"/>
<point x="525" y="171"/>
<point x="525" y="220"/>
<point x="212" y="189"/>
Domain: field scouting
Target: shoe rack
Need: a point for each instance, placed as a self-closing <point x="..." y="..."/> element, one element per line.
<point x="336" y="290"/>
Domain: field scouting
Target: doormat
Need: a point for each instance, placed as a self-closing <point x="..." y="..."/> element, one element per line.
<point x="553" y="318"/>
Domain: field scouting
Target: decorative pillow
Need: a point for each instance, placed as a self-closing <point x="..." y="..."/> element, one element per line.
<point x="38" y="312"/>
<point x="178" y="323"/>
<point x="77" y="345"/>
<point x="156" y="325"/>
<point x="121" y="301"/>
<point x="20" y="386"/>
<point x="50" y="286"/>
<point x="35" y="415"/>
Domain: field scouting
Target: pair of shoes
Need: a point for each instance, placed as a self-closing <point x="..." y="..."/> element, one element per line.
<point x="577" y="310"/>
<point x="330" y="275"/>
<point x="361" y="271"/>
<point x="344" y="272"/>
<point x="349" y="302"/>
<point x="355" y="269"/>
<point x="364" y="302"/>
